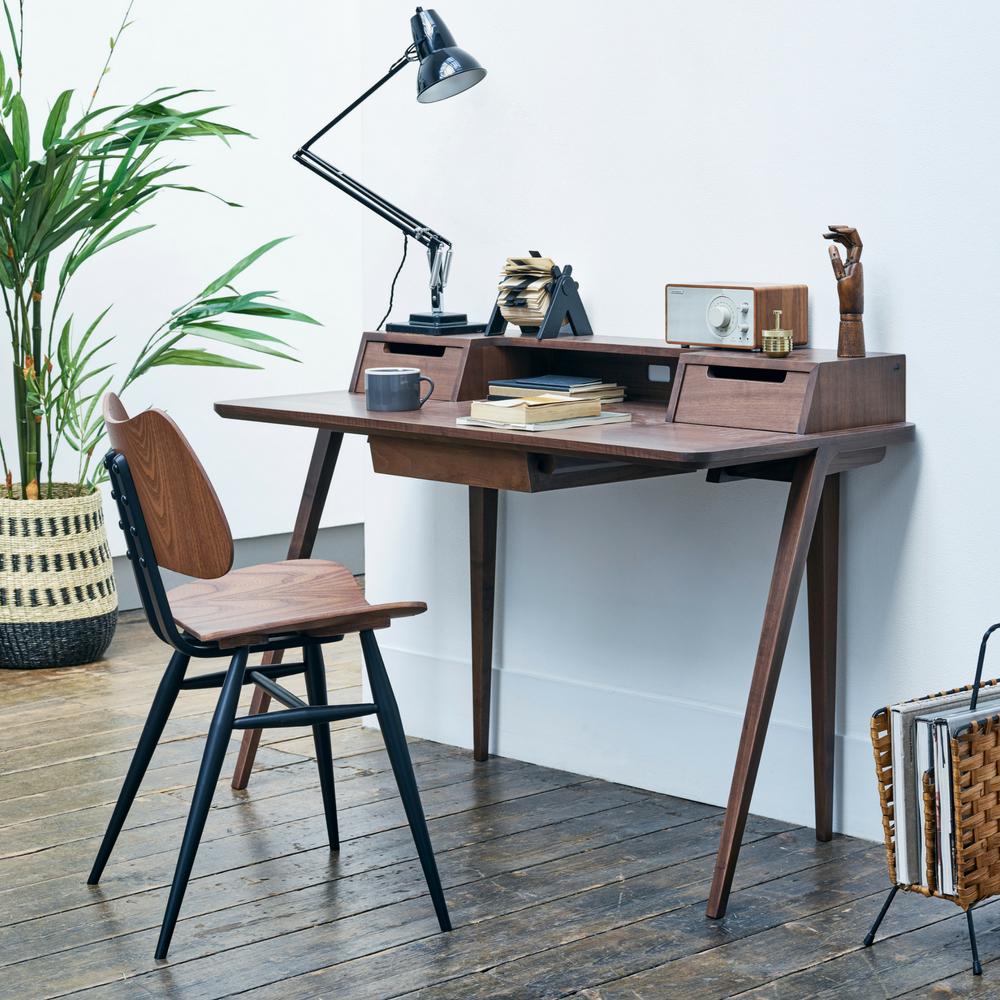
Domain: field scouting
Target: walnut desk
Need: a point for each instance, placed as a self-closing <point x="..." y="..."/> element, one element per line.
<point x="803" y="420"/>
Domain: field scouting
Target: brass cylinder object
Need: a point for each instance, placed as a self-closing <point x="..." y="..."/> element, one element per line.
<point x="776" y="343"/>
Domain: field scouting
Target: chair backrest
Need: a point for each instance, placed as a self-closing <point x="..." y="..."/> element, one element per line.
<point x="186" y="523"/>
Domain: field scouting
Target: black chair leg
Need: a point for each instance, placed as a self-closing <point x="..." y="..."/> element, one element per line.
<point x="208" y="775"/>
<point x="316" y="690"/>
<point x="159" y="712"/>
<point x="402" y="767"/>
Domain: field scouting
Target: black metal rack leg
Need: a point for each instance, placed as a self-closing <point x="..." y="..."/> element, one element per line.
<point x="977" y="968"/>
<point x="219" y="733"/>
<point x="316" y="691"/>
<point x="402" y="767"/>
<point x="870" y="936"/>
<point x="159" y="712"/>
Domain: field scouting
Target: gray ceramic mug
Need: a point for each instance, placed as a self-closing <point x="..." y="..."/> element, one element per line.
<point x="395" y="389"/>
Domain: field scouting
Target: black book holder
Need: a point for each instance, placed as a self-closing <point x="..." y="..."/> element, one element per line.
<point x="565" y="310"/>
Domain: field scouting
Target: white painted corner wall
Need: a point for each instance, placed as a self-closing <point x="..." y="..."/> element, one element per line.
<point x="702" y="141"/>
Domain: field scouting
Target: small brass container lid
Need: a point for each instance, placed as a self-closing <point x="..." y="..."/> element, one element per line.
<point x="777" y="343"/>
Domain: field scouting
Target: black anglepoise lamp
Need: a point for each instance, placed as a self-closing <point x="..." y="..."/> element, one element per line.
<point x="445" y="70"/>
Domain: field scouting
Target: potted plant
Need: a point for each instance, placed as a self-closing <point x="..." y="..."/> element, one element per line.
<point x="69" y="191"/>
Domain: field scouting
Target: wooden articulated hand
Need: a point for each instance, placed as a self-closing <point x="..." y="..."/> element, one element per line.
<point x="850" y="289"/>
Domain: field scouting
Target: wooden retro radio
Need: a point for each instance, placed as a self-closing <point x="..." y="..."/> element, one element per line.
<point x="734" y="315"/>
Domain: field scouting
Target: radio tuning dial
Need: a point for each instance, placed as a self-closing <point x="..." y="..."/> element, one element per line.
<point x="720" y="316"/>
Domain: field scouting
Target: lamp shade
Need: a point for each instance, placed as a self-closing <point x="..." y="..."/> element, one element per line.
<point x="445" y="69"/>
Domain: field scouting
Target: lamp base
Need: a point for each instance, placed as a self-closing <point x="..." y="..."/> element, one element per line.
<point x="436" y="324"/>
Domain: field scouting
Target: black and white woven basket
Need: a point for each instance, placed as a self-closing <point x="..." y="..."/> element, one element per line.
<point x="58" y="602"/>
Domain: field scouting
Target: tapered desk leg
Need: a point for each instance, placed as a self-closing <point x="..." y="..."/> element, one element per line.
<point x="822" y="568"/>
<point x="483" y="571"/>
<point x="314" y="493"/>
<point x="786" y="578"/>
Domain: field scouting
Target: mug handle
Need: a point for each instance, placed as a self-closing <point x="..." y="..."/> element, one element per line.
<point x="424" y="378"/>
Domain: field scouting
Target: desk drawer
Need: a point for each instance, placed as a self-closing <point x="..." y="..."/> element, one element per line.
<point x="442" y="363"/>
<point x="760" y="399"/>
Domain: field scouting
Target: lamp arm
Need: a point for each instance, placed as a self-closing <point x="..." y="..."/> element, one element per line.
<point x="407" y="57"/>
<point x="410" y="225"/>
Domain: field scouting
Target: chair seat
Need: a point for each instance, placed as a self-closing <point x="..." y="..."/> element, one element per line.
<point x="309" y="596"/>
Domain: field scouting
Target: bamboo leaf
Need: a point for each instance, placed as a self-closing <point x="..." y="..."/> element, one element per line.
<point x="241" y="330"/>
<point x="92" y="248"/>
<point x="213" y="307"/>
<point x="275" y="312"/>
<point x="240" y="266"/>
<point x="57" y="119"/>
<point x="6" y="147"/>
<point x="236" y="339"/>
<point x="21" y="136"/>
<point x="118" y="177"/>
<point x="198" y="190"/>
<point x="199" y="357"/>
<point x="90" y="329"/>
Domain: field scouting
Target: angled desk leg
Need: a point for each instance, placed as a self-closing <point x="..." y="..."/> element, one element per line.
<point x="314" y="493"/>
<point x="796" y="533"/>
<point x="822" y="568"/>
<point x="483" y="571"/>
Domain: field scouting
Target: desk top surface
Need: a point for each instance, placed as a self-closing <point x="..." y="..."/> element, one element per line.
<point x="647" y="438"/>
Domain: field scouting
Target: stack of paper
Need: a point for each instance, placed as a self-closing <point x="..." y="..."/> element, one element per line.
<point x="539" y="413"/>
<point x="525" y="287"/>
<point x="536" y="409"/>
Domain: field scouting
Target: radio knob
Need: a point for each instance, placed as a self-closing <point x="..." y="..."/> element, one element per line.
<point x="720" y="316"/>
<point x="744" y="307"/>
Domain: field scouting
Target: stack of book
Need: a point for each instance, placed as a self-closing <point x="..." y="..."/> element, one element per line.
<point x="565" y="386"/>
<point x="525" y="287"/>
<point x="542" y="412"/>
<point x="922" y="732"/>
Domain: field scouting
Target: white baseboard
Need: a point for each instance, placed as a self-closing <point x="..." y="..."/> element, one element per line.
<point x="662" y="744"/>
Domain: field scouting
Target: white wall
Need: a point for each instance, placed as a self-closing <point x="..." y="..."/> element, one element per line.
<point x="699" y="141"/>
<point x="283" y="77"/>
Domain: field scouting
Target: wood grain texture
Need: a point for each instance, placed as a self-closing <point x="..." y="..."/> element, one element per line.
<point x="498" y="469"/>
<point x="707" y="398"/>
<point x="443" y="363"/>
<point x="483" y="507"/>
<point x="796" y="532"/>
<point x="822" y="581"/>
<point x="311" y="596"/>
<point x="793" y="301"/>
<point x="820" y="392"/>
<point x="462" y="367"/>
<point x="561" y="885"/>
<point x="186" y="522"/>
<point x="627" y="365"/>
<point x="491" y="468"/>
<point x="859" y="391"/>
<point x="647" y="439"/>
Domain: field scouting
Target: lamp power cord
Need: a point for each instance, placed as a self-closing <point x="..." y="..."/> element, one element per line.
<point x="392" y="287"/>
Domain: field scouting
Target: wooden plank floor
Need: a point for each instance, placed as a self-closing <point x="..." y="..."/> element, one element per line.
<point x="558" y="885"/>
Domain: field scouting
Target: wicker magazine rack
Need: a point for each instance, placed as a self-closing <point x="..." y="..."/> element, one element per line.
<point x="975" y="756"/>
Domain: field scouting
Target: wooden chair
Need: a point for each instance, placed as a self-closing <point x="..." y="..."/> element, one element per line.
<point x="172" y="518"/>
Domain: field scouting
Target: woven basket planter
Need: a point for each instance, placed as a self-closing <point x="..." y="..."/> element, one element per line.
<point x="58" y="602"/>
